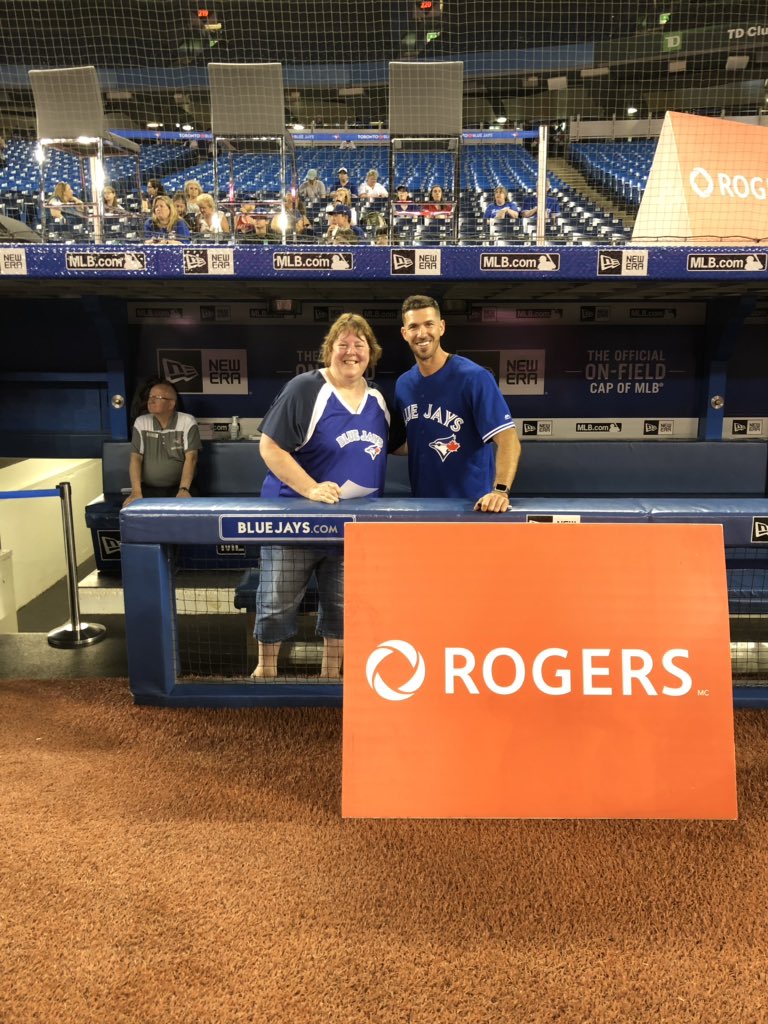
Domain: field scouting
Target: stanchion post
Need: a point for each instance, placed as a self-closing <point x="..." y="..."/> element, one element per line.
<point x="73" y="633"/>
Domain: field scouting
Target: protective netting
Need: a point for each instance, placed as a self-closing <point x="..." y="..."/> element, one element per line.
<point x="480" y="78"/>
<point x="265" y="618"/>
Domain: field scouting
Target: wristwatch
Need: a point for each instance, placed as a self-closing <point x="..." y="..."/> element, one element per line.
<point x="502" y="488"/>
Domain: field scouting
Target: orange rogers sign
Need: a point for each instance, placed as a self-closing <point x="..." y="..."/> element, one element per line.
<point x="528" y="670"/>
<point x="707" y="183"/>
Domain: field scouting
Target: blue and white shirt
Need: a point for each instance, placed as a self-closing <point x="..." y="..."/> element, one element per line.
<point x="329" y="439"/>
<point x="450" y="416"/>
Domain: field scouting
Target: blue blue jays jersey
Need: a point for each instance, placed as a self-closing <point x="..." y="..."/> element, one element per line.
<point x="450" y="416"/>
<point x="327" y="438"/>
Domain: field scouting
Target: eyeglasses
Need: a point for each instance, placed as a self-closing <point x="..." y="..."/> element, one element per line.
<point x="160" y="398"/>
<point x="346" y="346"/>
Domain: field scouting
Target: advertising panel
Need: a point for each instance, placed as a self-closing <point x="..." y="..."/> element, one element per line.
<point x="530" y="670"/>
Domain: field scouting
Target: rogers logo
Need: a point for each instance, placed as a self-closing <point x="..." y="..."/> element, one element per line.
<point x="554" y="672"/>
<point x="380" y="654"/>
<point x="735" y="186"/>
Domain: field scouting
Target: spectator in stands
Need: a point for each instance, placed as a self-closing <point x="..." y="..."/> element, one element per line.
<point x="111" y="202"/>
<point x="165" y="446"/>
<point x="344" y="181"/>
<point x="403" y="206"/>
<point x="530" y="208"/>
<point x="449" y="454"/>
<point x="342" y="197"/>
<point x="3" y="159"/>
<point x="180" y="202"/>
<point x="64" y="203"/>
<point x="502" y="206"/>
<point x="295" y="220"/>
<point x="436" y="206"/>
<point x="165" y="225"/>
<point x="210" y="221"/>
<point x="372" y="188"/>
<point x="155" y="188"/>
<point x="341" y="228"/>
<point x="192" y="190"/>
<point x="299" y="444"/>
<point x="312" y="190"/>
<point x="253" y="225"/>
<point x="374" y="221"/>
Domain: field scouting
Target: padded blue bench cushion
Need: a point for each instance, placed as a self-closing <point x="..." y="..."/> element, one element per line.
<point x="551" y="468"/>
<point x="225" y="469"/>
<point x="651" y="468"/>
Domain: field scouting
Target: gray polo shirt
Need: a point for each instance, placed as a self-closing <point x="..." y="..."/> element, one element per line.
<point x="162" y="450"/>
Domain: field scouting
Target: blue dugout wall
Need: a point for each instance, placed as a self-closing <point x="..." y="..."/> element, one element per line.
<point x="587" y="343"/>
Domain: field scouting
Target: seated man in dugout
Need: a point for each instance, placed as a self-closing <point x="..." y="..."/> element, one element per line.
<point x="165" y="447"/>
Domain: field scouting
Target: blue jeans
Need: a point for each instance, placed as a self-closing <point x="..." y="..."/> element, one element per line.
<point x="284" y="574"/>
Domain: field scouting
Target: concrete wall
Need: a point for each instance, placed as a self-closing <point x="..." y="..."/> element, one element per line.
<point x="31" y="528"/>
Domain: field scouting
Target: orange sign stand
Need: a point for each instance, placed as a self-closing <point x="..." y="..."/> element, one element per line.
<point x="707" y="184"/>
<point x="528" y="670"/>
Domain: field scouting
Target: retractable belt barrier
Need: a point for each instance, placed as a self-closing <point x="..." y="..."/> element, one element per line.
<point x="74" y="633"/>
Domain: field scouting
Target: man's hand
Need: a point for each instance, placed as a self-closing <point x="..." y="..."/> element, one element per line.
<point x="327" y="492"/>
<point x="494" y="501"/>
<point x="132" y="497"/>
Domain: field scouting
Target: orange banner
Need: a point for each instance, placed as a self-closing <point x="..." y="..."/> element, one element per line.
<point x="708" y="183"/>
<point x="528" y="670"/>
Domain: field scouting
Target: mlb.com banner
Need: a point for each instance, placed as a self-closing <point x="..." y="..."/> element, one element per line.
<point x="527" y="670"/>
<point x="708" y="183"/>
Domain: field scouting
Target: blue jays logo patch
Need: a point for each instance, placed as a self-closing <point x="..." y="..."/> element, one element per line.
<point x="445" y="446"/>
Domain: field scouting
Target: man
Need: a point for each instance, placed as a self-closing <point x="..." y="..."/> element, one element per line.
<point x="341" y="228"/>
<point x="165" y="448"/>
<point x="343" y="181"/>
<point x="452" y="408"/>
<point x="313" y="189"/>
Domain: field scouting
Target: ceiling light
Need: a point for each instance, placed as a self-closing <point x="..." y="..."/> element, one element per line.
<point x="631" y="110"/>
<point x="736" y="63"/>
<point x="594" y="72"/>
<point x="501" y="119"/>
<point x="677" y="65"/>
<point x="557" y="83"/>
<point x="187" y="127"/>
<point x="154" y="124"/>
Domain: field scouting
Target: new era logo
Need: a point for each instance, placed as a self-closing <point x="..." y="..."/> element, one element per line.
<point x="760" y="530"/>
<point x="404" y="261"/>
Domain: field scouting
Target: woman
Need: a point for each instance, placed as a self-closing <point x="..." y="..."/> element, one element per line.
<point x="111" y="202"/>
<point x="300" y="446"/>
<point x="295" y="220"/>
<point x="342" y="197"/>
<point x="180" y="202"/>
<point x="435" y="205"/>
<point x="64" y="202"/>
<point x="164" y="224"/>
<point x="155" y="188"/>
<point x="502" y="206"/>
<point x="210" y="221"/>
<point x="192" y="189"/>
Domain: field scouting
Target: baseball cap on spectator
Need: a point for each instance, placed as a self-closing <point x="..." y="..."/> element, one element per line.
<point x="312" y="173"/>
<point x="401" y="188"/>
<point x="340" y="208"/>
<point x="344" y="169"/>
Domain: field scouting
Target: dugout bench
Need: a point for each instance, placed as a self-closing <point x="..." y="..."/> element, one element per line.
<point x="687" y="470"/>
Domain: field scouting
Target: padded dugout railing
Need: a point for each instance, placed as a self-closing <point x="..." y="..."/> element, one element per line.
<point x="152" y="529"/>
